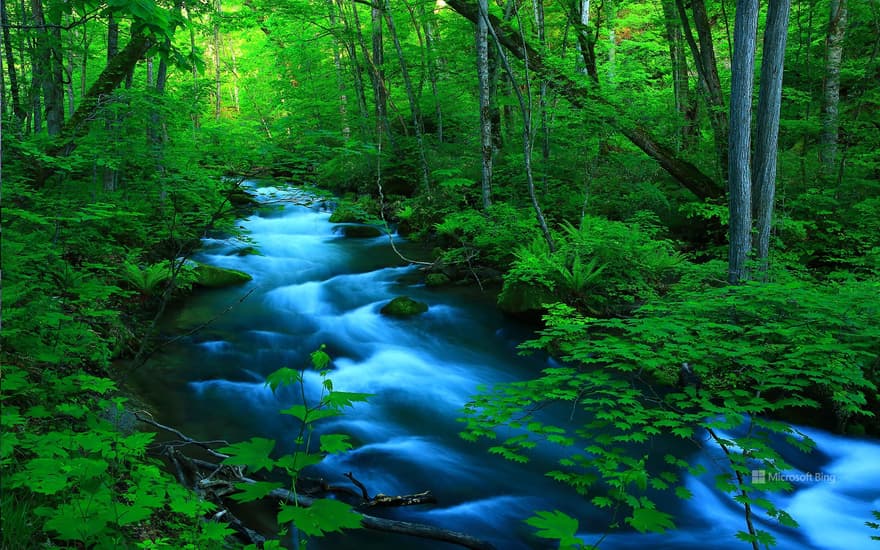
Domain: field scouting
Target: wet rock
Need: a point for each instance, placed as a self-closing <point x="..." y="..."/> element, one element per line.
<point x="217" y="277"/>
<point x="361" y="231"/>
<point x="403" y="306"/>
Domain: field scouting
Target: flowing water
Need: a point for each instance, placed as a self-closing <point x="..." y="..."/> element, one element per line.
<point x="313" y="286"/>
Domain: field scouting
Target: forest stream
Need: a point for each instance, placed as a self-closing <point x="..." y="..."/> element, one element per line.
<point x="313" y="286"/>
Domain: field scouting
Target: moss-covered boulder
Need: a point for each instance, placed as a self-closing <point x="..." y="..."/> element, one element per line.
<point x="245" y="251"/>
<point x="523" y="299"/>
<point x="403" y="306"/>
<point x="347" y="213"/>
<point x="210" y="276"/>
<point x="361" y="231"/>
<point x="437" y="279"/>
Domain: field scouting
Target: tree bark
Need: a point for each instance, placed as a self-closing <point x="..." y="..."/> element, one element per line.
<point x="48" y="69"/>
<point x="487" y="148"/>
<point x="217" y="80"/>
<point x="707" y="71"/>
<point x="588" y="97"/>
<point x="113" y="74"/>
<point x="742" y="81"/>
<point x="831" y="87"/>
<point x="414" y="109"/>
<point x="17" y="110"/>
<point x="525" y="110"/>
<point x="678" y="62"/>
<point x="767" y="127"/>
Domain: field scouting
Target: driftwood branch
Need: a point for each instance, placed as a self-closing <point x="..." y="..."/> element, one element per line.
<point x="214" y="481"/>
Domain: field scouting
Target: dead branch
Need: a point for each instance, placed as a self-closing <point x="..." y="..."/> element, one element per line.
<point x="213" y="481"/>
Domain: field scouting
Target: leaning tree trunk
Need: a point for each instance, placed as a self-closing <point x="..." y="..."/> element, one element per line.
<point x="742" y="81"/>
<point x="831" y="89"/>
<point x="590" y="98"/>
<point x="767" y="127"/>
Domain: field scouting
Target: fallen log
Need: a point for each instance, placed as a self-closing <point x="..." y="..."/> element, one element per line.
<point x="216" y="482"/>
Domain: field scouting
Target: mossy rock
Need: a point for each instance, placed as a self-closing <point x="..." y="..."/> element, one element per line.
<point x="437" y="279"/>
<point x="403" y="306"/>
<point x="241" y="199"/>
<point x="218" y="277"/>
<point x="245" y="251"/>
<point x="348" y="214"/>
<point x="520" y="298"/>
<point x="361" y="231"/>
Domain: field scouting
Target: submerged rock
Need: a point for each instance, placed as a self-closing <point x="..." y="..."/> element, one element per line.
<point x="403" y="306"/>
<point x="217" y="277"/>
<point x="361" y="231"/>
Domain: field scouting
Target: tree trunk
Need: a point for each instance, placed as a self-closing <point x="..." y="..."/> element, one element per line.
<point x="585" y="45"/>
<point x="538" y="9"/>
<point x="710" y="82"/>
<point x="486" y="145"/>
<point x="48" y="70"/>
<point x="414" y="109"/>
<point x="354" y="66"/>
<point x="742" y="80"/>
<point x="17" y="110"/>
<point x="767" y="127"/>
<point x="831" y="88"/>
<point x="380" y="92"/>
<point x="678" y="61"/>
<point x="337" y="64"/>
<point x="217" y="74"/>
<point x="430" y="38"/>
<point x="589" y="97"/>
<point x="527" y="128"/>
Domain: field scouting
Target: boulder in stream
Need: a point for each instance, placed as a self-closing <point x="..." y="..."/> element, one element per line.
<point x="403" y="306"/>
<point x="217" y="277"/>
<point x="361" y="231"/>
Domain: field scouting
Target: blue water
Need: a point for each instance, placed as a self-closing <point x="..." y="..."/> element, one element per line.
<point x="312" y="286"/>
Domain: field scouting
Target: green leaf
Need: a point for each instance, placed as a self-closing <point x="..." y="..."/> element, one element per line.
<point x="323" y="516"/>
<point x="335" y="443"/>
<point x="254" y="453"/>
<point x="254" y="491"/>
<point x="556" y="525"/>
<point x="650" y="520"/>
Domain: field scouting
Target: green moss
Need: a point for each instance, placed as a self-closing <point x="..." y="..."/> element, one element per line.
<point x="403" y="306"/>
<point x="437" y="279"/>
<point x="217" y="277"/>
<point x="348" y="213"/>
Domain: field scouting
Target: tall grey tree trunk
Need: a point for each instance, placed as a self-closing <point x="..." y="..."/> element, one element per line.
<point x="680" y="81"/>
<point x="427" y="18"/>
<point x="707" y="71"/>
<point x="337" y="64"/>
<point x="486" y="142"/>
<point x="216" y="45"/>
<point x="538" y="8"/>
<point x="414" y="109"/>
<point x="48" y="71"/>
<point x="831" y="88"/>
<point x="379" y="89"/>
<point x="17" y="109"/>
<point x="583" y="39"/>
<point x="525" y="110"/>
<point x="354" y="65"/>
<point x="767" y="127"/>
<point x="740" y="187"/>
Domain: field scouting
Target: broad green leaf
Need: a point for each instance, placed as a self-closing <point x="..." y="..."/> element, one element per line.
<point x="253" y="453"/>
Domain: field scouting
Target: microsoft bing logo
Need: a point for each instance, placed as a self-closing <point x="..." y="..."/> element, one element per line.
<point x="760" y="477"/>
